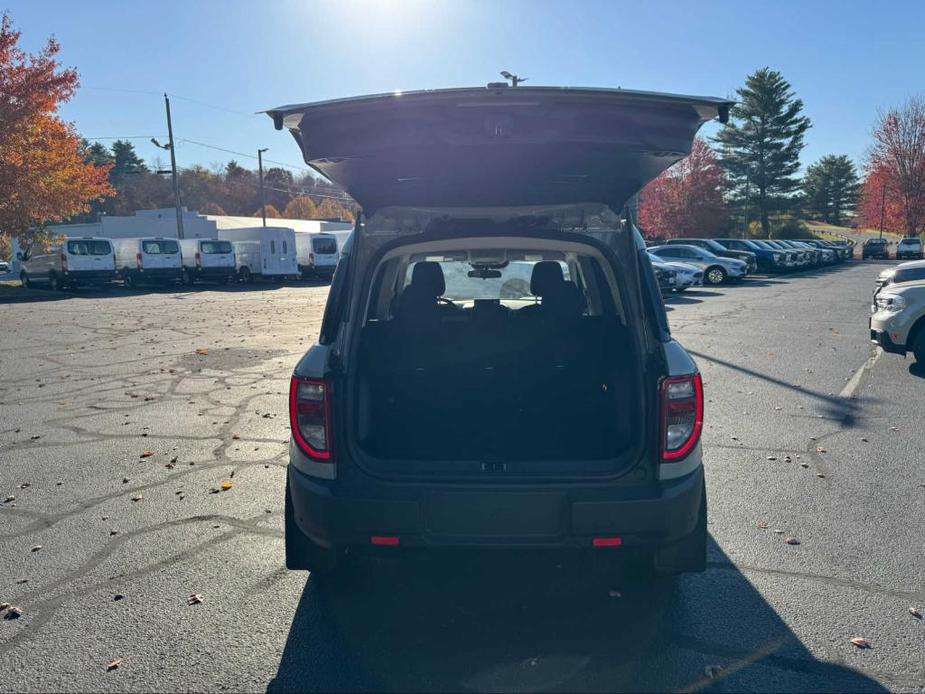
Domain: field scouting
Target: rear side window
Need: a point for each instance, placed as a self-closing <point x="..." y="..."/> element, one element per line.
<point x="285" y="246"/>
<point x="272" y="246"/>
<point x="324" y="246"/>
<point x="85" y="247"/>
<point x="160" y="246"/>
<point x="210" y="247"/>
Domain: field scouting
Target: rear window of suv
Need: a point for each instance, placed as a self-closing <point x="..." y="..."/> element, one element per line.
<point x="89" y="247"/>
<point x="160" y="246"/>
<point x="210" y="247"/>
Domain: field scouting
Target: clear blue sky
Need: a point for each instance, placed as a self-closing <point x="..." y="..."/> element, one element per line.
<point x="844" y="59"/>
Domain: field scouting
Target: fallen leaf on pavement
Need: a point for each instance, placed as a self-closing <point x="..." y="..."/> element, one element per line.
<point x="820" y="449"/>
<point x="113" y="664"/>
<point x="36" y="548"/>
<point x="778" y="532"/>
<point x="118" y="596"/>
<point x="771" y="457"/>
<point x="819" y="474"/>
<point x="194" y="599"/>
<point x="202" y="350"/>
<point x="762" y="526"/>
<point x="9" y="499"/>
<point x="860" y="642"/>
<point x="138" y="497"/>
<point x="235" y="437"/>
<point x="13" y="613"/>
<point x="146" y="454"/>
<point x="615" y="594"/>
<point x="915" y="613"/>
<point x="5" y="605"/>
<point x="792" y="541"/>
<point x="226" y="486"/>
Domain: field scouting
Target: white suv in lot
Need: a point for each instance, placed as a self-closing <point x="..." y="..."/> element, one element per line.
<point x="495" y="368"/>
<point x="898" y="321"/>
<point x="909" y="247"/>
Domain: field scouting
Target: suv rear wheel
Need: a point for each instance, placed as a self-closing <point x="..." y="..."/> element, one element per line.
<point x="24" y="278"/>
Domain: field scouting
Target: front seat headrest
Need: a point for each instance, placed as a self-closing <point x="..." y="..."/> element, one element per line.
<point x="547" y="275"/>
<point x="427" y="278"/>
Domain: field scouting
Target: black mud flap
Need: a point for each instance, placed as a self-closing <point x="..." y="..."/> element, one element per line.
<point x="688" y="555"/>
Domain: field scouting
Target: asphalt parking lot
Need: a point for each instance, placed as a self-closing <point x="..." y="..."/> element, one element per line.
<point x="143" y="439"/>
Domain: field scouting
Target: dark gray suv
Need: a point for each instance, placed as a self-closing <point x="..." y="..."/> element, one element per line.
<point x="495" y="368"/>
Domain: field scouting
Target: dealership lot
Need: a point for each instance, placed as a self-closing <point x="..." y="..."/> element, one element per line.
<point x="118" y="436"/>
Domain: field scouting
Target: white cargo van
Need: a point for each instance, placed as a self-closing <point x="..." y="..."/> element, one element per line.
<point x="263" y="252"/>
<point x="317" y="254"/>
<point x="152" y="259"/>
<point x="75" y="262"/>
<point x="207" y="259"/>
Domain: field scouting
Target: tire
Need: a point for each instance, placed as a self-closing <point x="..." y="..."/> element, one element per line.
<point x="129" y="281"/>
<point x="24" y="278"/>
<point x="54" y="284"/>
<point x="690" y="554"/>
<point x="301" y="553"/>
<point x="186" y="279"/>
<point x="714" y="275"/>
<point x="245" y="274"/>
<point x="918" y="346"/>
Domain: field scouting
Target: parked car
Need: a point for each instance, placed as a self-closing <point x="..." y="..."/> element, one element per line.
<point x="898" y="320"/>
<point x="802" y="259"/>
<point x="904" y="272"/>
<point x="686" y="276"/>
<point x="768" y="259"/>
<point x="722" y="251"/>
<point x="838" y="253"/>
<point x="716" y="270"/>
<point x="148" y="260"/>
<point x="267" y="252"/>
<point x="317" y="254"/>
<point x="76" y="262"/>
<point x="812" y="254"/>
<point x="207" y="259"/>
<point x="443" y="406"/>
<point x="875" y="248"/>
<point x="909" y="247"/>
<point x="666" y="275"/>
<point x="823" y="256"/>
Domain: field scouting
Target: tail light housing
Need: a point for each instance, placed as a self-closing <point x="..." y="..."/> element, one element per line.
<point x="138" y="261"/>
<point x="310" y="417"/>
<point x="311" y="258"/>
<point x="198" y="259"/>
<point x="681" y="416"/>
<point x="63" y="262"/>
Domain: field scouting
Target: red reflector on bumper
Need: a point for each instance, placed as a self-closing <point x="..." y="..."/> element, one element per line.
<point x="388" y="541"/>
<point x="607" y="541"/>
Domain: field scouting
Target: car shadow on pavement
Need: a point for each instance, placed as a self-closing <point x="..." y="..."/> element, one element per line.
<point x="506" y="622"/>
<point x="917" y="368"/>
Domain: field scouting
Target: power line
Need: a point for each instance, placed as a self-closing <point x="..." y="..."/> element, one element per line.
<point x="174" y="96"/>
<point x="244" y="154"/>
<point x="124" y="137"/>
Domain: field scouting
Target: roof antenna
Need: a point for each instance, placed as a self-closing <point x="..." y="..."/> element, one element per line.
<point x="514" y="79"/>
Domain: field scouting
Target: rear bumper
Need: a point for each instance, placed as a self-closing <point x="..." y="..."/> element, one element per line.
<point x="315" y="271"/>
<point x="333" y="514"/>
<point x="214" y="272"/>
<point x="89" y="276"/>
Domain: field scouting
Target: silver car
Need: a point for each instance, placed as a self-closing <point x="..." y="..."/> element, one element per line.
<point x="716" y="270"/>
<point x="686" y="275"/>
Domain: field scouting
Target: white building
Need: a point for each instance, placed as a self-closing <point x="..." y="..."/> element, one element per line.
<point x="163" y="222"/>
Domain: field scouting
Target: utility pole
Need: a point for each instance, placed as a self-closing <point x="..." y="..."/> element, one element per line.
<point x="882" y="206"/>
<point x="747" y="182"/>
<point x="173" y="168"/>
<point x="263" y="202"/>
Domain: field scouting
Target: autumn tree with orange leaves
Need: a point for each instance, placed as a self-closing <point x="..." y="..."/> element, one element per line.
<point x="687" y="199"/>
<point x="894" y="190"/>
<point x="43" y="176"/>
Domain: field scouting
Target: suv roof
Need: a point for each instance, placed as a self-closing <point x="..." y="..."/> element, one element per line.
<point x="507" y="146"/>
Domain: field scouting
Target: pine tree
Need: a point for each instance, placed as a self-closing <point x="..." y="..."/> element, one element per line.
<point x="126" y="160"/>
<point x="830" y="188"/>
<point x="760" y="146"/>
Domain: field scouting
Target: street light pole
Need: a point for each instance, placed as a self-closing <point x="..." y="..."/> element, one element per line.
<point x="882" y="206"/>
<point x="173" y="167"/>
<point x="263" y="203"/>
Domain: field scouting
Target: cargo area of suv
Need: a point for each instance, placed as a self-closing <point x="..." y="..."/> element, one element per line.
<point x="495" y="367"/>
<point x="496" y="355"/>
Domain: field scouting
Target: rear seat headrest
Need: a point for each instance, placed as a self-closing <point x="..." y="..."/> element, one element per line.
<point x="427" y="277"/>
<point x="546" y="277"/>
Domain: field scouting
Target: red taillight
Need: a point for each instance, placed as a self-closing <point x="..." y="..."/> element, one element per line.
<point x="607" y="542"/>
<point x="63" y="263"/>
<point x="198" y="260"/>
<point x="310" y="417"/>
<point x="138" y="261"/>
<point x="681" y="416"/>
<point x="385" y="540"/>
